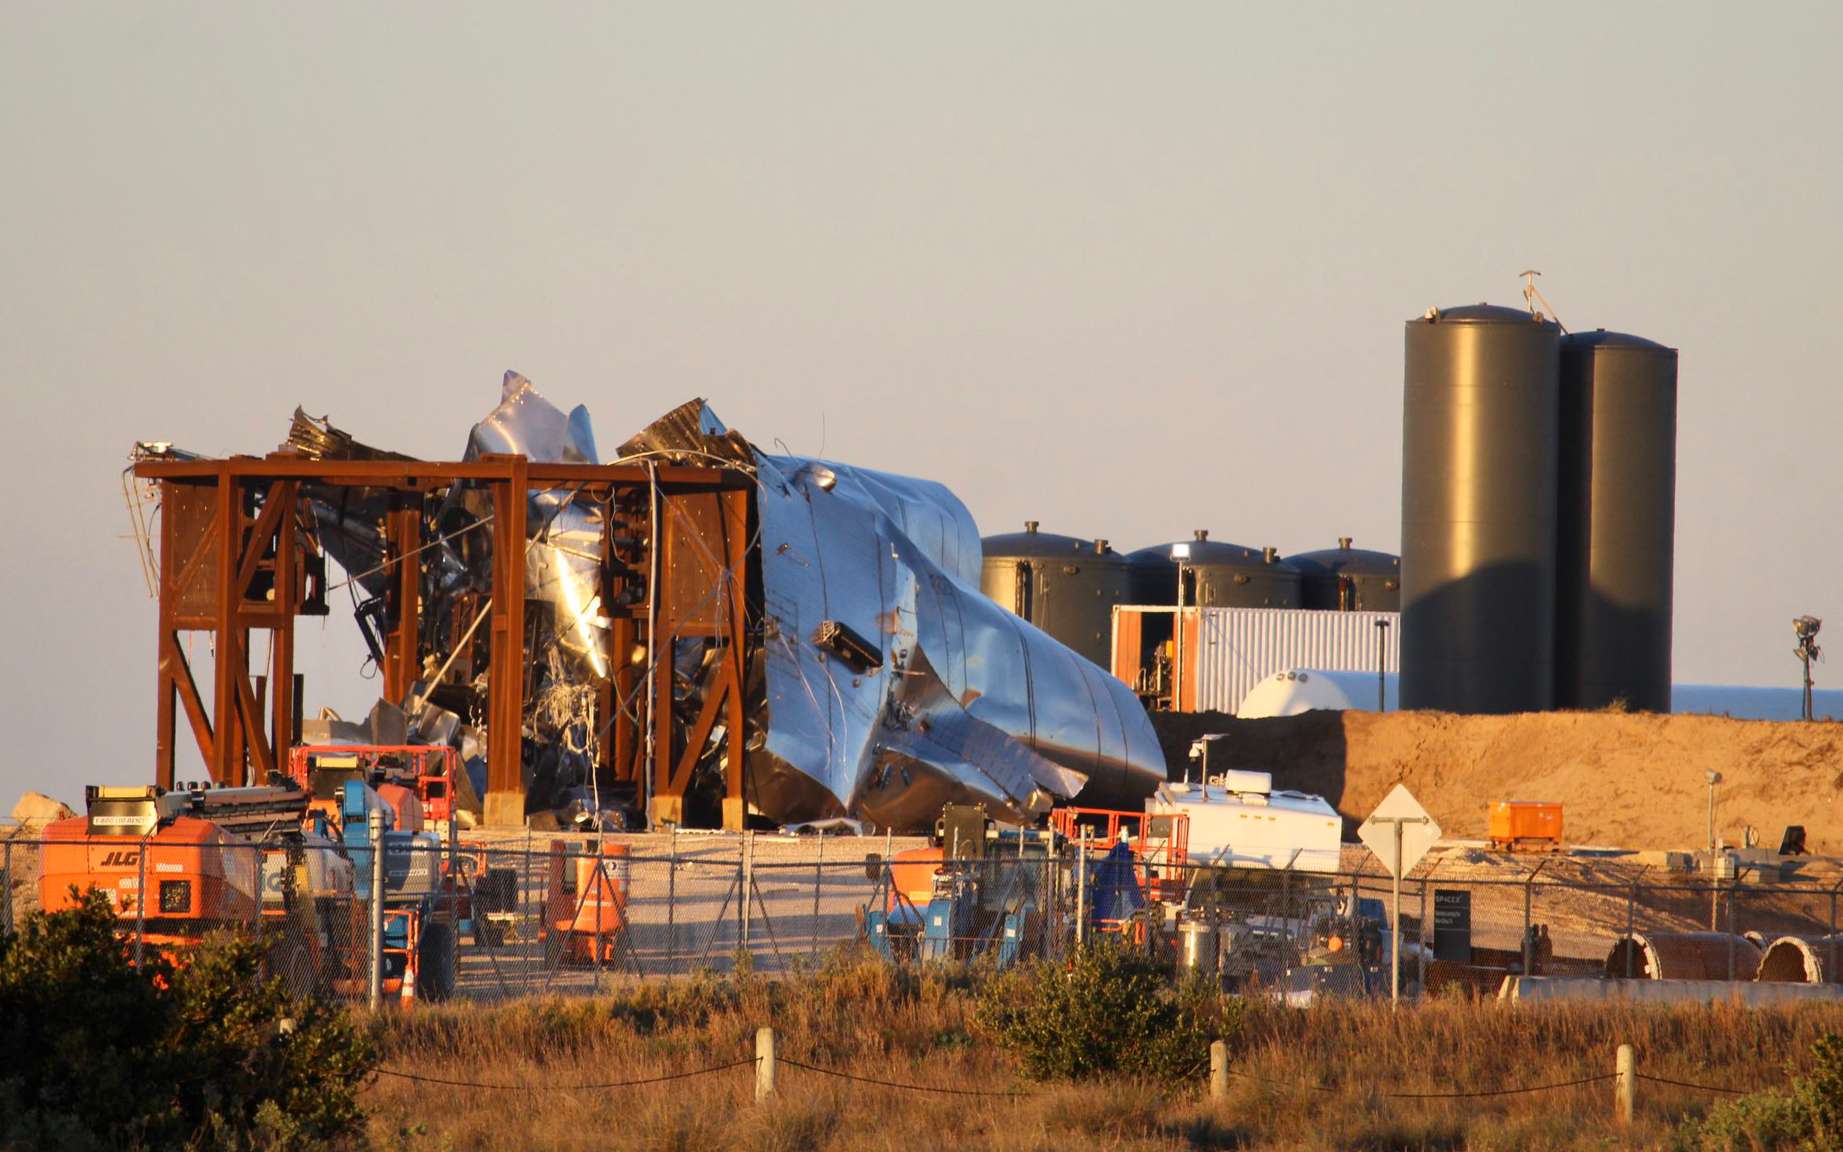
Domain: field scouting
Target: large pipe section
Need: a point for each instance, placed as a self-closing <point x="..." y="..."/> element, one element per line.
<point x="1617" y="515"/>
<point x="1479" y="461"/>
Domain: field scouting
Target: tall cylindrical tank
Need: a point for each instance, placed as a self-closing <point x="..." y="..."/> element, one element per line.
<point x="1479" y="458"/>
<point x="1064" y="585"/>
<point x="1617" y="506"/>
<point x="1216" y="574"/>
<point x="1346" y="579"/>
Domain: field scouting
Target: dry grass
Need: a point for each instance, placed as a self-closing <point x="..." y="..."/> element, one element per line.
<point x="1305" y="1079"/>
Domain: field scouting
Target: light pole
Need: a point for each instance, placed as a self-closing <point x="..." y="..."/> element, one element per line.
<point x="1179" y="554"/>
<point x="1805" y="628"/>
<point x="1714" y="779"/>
<point x="1714" y="869"/>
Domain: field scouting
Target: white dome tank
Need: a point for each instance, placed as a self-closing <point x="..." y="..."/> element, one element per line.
<point x="1299" y="690"/>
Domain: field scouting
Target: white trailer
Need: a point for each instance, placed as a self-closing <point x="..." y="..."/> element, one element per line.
<point x="1237" y="820"/>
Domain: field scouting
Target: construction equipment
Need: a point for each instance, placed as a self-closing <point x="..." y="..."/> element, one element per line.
<point x="431" y="771"/>
<point x="975" y="893"/>
<point x="1159" y="842"/>
<point x="178" y="864"/>
<point x="1524" y="826"/>
<point x="421" y="913"/>
<point x="585" y="903"/>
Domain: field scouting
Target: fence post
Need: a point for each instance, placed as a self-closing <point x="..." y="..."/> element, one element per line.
<point x="1831" y="973"/>
<point x="140" y="903"/>
<point x="1625" y="1084"/>
<point x="1631" y="925"/>
<point x="454" y="888"/>
<point x="747" y="888"/>
<point x="1734" y="892"/>
<point x="6" y="894"/>
<point x="1420" y="938"/>
<point x="1081" y="893"/>
<point x="818" y="880"/>
<point x="672" y="901"/>
<point x="1218" y="1070"/>
<point x="764" y="1064"/>
<point x="374" y="833"/>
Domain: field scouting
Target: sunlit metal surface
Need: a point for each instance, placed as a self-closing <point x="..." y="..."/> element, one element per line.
<point x="970" y="704"/>
<point x="887" y="683"/>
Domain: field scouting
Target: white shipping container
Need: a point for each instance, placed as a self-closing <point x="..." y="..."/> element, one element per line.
<point x="1237" y="648"/>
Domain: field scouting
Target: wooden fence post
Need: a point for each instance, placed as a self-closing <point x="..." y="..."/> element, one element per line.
<point x="764" y="1064"/>
<point x="1626" y="1083"/>
<point x="1218" y="1070"/>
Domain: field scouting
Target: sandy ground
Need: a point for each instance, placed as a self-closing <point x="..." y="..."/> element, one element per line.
<point x="1631" y="780"/>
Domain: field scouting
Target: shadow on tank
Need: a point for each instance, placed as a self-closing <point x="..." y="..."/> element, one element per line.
<point x="1482" y="643"/>
<point x="1613" y="657"/>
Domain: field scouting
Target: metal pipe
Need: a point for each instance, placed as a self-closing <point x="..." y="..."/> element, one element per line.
<point x="1395" y="927"/>
<point x="1382" y="665"/>
<point x="374" y="833"/>
<point x="1177" y="648"/>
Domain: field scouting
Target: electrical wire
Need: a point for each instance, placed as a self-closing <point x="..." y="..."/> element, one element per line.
<point x="547" y="1087"/>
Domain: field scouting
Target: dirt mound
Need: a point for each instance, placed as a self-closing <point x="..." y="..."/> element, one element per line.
<point x="1634" y="780"/>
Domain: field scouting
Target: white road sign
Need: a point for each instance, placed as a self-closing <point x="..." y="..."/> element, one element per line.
<point x="1399" y="824"/>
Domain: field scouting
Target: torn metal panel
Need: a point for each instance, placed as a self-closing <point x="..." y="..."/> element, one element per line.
<point x="969" y="704"/>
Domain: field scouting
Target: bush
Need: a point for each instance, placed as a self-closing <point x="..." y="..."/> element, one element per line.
<point x="1110" y="1010"/>
<point x="168" y="1056"/>
<point x="1807" y="1114"/>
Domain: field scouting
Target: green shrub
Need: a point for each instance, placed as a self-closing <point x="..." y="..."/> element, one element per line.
<point x="1110" y="1010"/>
<point x="1806" y="1115"/>
<point x="167" y="1056"/>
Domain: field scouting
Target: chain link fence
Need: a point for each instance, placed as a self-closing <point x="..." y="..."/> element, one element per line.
<point x="483" y="918"/>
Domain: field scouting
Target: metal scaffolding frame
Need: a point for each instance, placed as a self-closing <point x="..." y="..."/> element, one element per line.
<point x="238" y="553"/>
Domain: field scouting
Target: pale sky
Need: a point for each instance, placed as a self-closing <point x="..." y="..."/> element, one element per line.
<point x="1129" y="270"/>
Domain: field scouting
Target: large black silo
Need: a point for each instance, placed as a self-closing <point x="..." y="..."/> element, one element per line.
<point x="1479" y="457"/>
<point x="1064" y="585"/>
<point x="1217" y="574"/>
<point x="1617" y="507"/>
<point x="1346" y="579"/>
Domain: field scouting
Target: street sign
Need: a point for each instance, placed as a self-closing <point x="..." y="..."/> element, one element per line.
<point x="1399" y="831"/>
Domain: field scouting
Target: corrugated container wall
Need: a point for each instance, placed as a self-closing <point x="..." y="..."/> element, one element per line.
<point x="1618" y="521"/>
<point x="1238" y="648"/>
<point x="1479" y="460"/>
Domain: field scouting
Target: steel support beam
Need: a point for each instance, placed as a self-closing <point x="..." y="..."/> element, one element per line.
<point x="402" y="657"/>
<point x="505" y="784"/>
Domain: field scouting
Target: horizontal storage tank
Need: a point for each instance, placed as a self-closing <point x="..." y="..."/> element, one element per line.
<point x="1346" y="579"/>
<point x="1217" y="574"/>
<point x="1617" y="516"/>
<point x="1064" y="585"/>
<point x="1479" y="458"/>
<point x="1299" y="690"/>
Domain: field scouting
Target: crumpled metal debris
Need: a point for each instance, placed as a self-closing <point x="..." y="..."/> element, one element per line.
<point x="967" y="703"/>
<point x="887" y="684"/>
